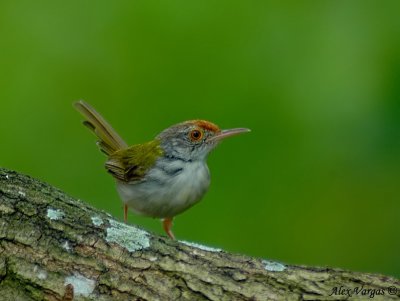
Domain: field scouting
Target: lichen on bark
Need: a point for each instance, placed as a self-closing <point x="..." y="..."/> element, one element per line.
<point x="54" y="247"/>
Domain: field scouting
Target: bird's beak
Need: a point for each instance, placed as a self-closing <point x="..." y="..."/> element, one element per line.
<point x="228" y="133"/>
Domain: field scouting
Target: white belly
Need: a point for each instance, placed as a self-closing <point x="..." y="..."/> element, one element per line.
<point x="168" y="189"/>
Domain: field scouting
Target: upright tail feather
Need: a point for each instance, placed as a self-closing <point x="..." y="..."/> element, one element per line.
<point x="109" y="141"/>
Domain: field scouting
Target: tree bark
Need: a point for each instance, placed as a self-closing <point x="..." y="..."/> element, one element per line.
<point x="54" y="247"/>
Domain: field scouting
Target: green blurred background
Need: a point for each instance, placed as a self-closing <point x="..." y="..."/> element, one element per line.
<point x="316" y="182"/>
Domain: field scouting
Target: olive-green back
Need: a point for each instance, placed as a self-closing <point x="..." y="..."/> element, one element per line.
<point x="132" y="163"/>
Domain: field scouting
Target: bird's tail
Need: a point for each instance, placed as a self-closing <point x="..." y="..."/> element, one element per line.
<point x="109" y="141"/>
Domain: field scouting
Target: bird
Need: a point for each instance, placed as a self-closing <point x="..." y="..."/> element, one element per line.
<point x="165" y="176"/>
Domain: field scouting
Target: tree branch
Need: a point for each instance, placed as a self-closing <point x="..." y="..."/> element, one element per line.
<point x="53" y="247"/>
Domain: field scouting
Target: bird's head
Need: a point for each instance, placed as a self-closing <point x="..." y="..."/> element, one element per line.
<point x="193" y="140"/>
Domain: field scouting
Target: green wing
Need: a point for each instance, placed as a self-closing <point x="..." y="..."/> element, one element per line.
<point x="132" y="163"/>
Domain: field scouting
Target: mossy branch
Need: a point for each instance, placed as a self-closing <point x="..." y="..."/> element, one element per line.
<point x="53" y="247"/>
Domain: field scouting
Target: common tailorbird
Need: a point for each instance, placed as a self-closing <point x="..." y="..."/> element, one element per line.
<point x="165" y="176"/>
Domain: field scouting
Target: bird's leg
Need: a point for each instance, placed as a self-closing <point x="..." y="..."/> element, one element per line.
<point x="167" y="225"/>
<point x="125" y="213"/>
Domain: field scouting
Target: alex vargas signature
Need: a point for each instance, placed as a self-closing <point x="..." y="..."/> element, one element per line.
<point x="356" y="291"/>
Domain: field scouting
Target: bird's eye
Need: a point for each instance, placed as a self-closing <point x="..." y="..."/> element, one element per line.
<point x="195" y="135"/>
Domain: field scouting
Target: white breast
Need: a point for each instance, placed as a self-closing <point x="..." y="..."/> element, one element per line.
<point x="168" y="189"/>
